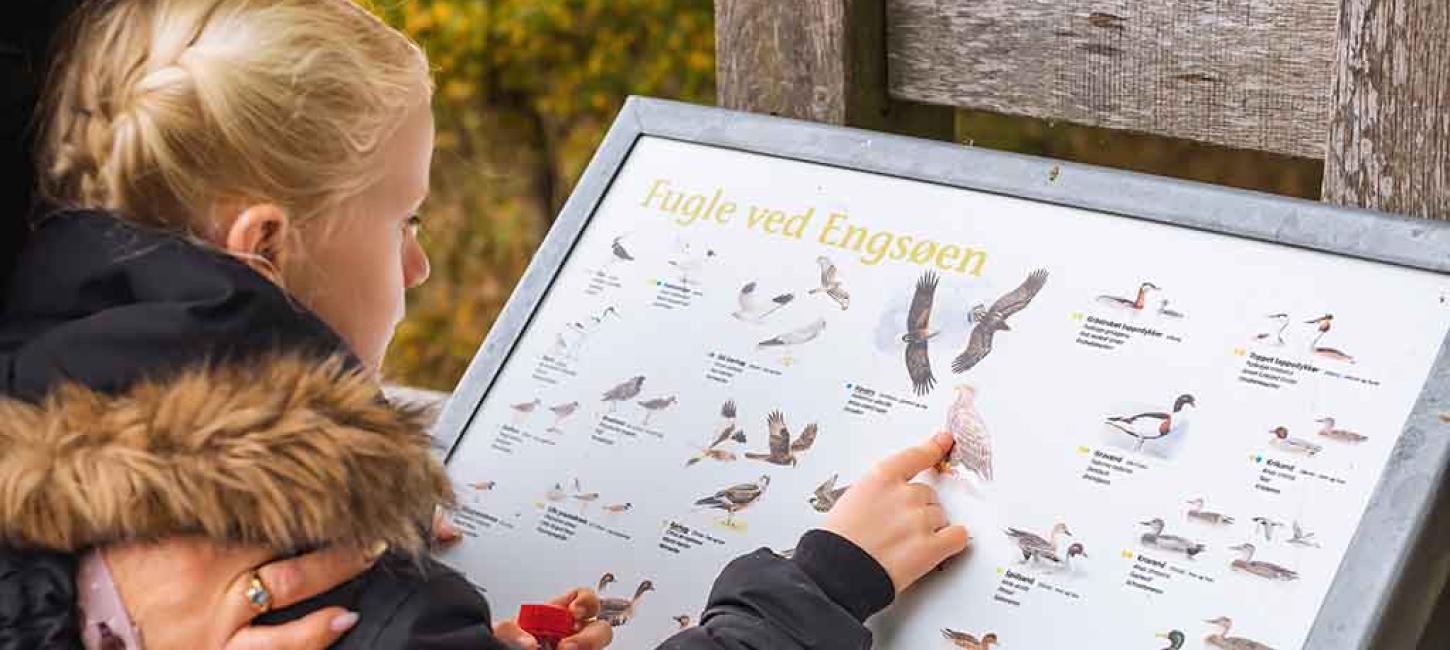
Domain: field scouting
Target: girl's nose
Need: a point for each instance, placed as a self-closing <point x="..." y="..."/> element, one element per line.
<point x="415" y="264"/>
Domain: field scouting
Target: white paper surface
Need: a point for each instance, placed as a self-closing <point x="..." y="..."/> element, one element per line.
<point x="543" y="496"/>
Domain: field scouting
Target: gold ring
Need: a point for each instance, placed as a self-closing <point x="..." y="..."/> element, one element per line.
<point x="257" y="594"/>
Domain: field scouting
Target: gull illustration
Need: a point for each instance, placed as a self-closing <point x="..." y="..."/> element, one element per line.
<point x="972" y="444"/>
<point x="562" y="412"/>
<point x="735" y="498"/>
<point x="919" y="334"/>
<point x="653" y="406"/>
<point x="796" y="336"/>
<point x="754" y="308"/>
<point x="625" y="391"/>
<point x="783" y="450"/>
<point x="827" y="494"/>
<point x="988" y="321"/>
<point x="1279" y="322"/>
<point x="831" y="283"/>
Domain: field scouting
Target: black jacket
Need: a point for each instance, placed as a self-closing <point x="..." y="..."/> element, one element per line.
<point x="142" y="319"/>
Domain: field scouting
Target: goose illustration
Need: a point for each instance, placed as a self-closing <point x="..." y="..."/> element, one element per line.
<point x="1302" y="537"/>
<point x="986" y="322"/>
<point x="1342" y="435"/>
<point x="1033" y="545"/>
<point x="919" y="334"/>
<point x="1175" y="639"/>
<point x="1064" y="563"/>
<point x="604" y="581"/>
<point x="1249" y="565"/>
<point x="562" y="412"/>
<point x="619" y="611"/>
<point x="964" y="640"/>
<point x="827" y="494"/>
<point x="620" y="253"/>
<point x="972" y="444"/>
<point x="783" y="450"/>
<point x="1323" y="324"/>
<point x="735" y="498"/>
<point x="653" y="406"/>
<point x="1221" y="639"/>
<point x="1135" y="304"/>
<point x="1267" y="526"/>
<point x="1196" y="511"/>
<point x="1278" y="323"/>
<point x="1153" y="425"/>
<point x="831" y="283"/>
<point x="754" y="309"/>
<point x="626" y="391"/>
<point x="1297" y="445"/>
<point x="1156" y="539"/>
<point x="796" y="336"/>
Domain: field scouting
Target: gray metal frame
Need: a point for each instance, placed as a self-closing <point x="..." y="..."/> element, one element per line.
<point x="1369" y="576"/>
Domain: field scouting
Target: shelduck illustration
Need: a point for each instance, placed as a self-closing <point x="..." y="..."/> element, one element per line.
<point x="1221" y="639"/>
<point x="1196" y="512"/>
<point x="1324" y="323"/>
<point x="1136" y="304"/>
<point x="987" y="321"/>
<point x="1153" y="425"/>
<point x="1262" y="569"/>
<point x="1156" y="539"/>
<point x="1297" y="445"/>
<point x="1342" y="435"/>
<point x="968" y="641"/>
<point x="972" y="448"/>
<point x="1033" y="545"/>
<point x="1175" y="639"/>
<point x="1275" y="333"/>
<point x="919" y="334"/>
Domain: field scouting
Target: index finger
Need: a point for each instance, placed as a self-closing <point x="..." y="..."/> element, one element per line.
<point x="909" y="462"/>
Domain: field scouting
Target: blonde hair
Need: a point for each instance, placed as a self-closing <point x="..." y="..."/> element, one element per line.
<point x="164" y="110"/>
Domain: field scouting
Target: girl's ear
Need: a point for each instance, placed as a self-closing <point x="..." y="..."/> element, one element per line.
<point x="258" y="236"/>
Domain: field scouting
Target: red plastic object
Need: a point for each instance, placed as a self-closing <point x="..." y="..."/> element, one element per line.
<point x="546" y="623"/>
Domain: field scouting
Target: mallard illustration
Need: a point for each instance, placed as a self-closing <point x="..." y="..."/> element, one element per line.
<point x="1196" y="511"/>
<point x="619" y="611"/>
<point x="735" y="498"/>
<point x="1260" y="568"/>
<point x="1153" y="425"/>
<point x="1297" y="445"/>
<point x="626" y="391"/>
<point x="653" y="406"/>
<point x="796" y="336"/>
<point x="1136" y="303"/>
<point x="831" y="283"/>
<point x="1342" y="435"/>
<point x="986" y="322"/>
<point x="1175" y="639"/>
<point x="1221" y="639"/>
<point x="964" y="640"/>
<point x="919" y="333"/>
<point x="783" y="450"/>
<point x="827" y="494"/>
<point x="1156" y="539"/>
<point x="972" y="444"/>
<point x="1033" y="545"/>
<point x="755" y="309"/>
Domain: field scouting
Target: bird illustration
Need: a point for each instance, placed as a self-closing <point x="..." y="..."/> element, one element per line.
<point x="1221" y="639"/>
<point x="1282" y="323"/>
<point x="1196" y="511"/>
<point x="618" y="611"/>
<point x="482" y="486"/>
<point x="1262" y="569"/>
<point x="1135" y="304"/>
<point x="1165" y="312"/>
<point x="683" y="620"/>
<point x="986" y="322"/>
<point x="796" y="336"/>
<point x="1342" y="435"/>
<point x="625" y="391"/>
<point x="1296" y="445"/>
<point x="754" y="309"/>
<point x="525" y="409"/>
<point x="735" y="498"/>
<point x="690" y="263"/>
<point x="831" y="283"/>
<point x="722" y="455"/>
<point x="1033" y="545"/>
<point x="972" y="444"/>
<point x="585" y="497"/>
<point x="1153" y="425"/>
<point x="919" y="334"/>
<point x="562" y="412"/>
<point x="1156" y="539"/>
<point x="728" y="433"/>
<point x="618" y="508"/>
<point x="604" y="581"/>
<point x="1266" y="526"/>
<point x="1175" y="638"/>
<point x="1324" y="323"/>
<point x="964" y="640"/>
<point x="1302" y="537"/>
<point x="827" y="494"/>
<point x="1064" y="563"/>
<point x="653" y="406"/>
<point x="620" y="254"/>
<point x="556" y="493"/>
<point x="783" y="450"/>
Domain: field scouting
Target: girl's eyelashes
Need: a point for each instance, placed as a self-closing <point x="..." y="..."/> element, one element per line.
<point x="413" y="224"/>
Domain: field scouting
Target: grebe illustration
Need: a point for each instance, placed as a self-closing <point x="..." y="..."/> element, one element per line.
<point x="1276" y="333"/>
<point x="1324" y="323"/>
<point x="1135" y="304"/>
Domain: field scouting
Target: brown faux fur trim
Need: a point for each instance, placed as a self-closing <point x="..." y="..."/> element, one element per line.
<point x="288" y="453"/>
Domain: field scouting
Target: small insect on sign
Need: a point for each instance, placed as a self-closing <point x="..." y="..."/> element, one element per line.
<point x="1183" y="415"/>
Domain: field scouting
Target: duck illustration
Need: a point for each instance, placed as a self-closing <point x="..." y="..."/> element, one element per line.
<point x="964" y="640"/>
<point x="986" y="322"/>
<point x="653" y="406"/>
<point x="1297" y="445"/>
<point x="1323" y="324"/>
<point x="972" y="448"/>
<point x="1156" y="539"/>
<point x="753" y="309"/>
<point x="617" y="508"/>
<point x="1342" y="435"/>
<point x="783" y="450"/>
<point x="1064" y="563"/>
<point x="1278" y="323"/>
<point x="618" y="611"/>
<point x="1302" y="537"/>
<point x="626" y="391"/>
<point x="919" y="334"/>
<point x="1175" y="639"/>
<point x="1033" y="545"/>
<point x="827" y="494"/>
<point x="562" y="412"/>
<point x="1135" y="304"/>
<point x="1196" y="511"/>
<point x="1221" y="639"/>
<point x="1259" y="568"/>
<point x="1267" y="526"/>
<point x="1153" y="425"/>
<point x="735" y="498"/>
<point x="831" y="283"/>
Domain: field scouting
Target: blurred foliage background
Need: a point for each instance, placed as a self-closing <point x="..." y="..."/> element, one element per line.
<point x="526" y="89"/>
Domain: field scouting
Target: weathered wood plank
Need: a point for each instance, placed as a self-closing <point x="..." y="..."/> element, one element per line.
<point x="1250" y="74"/>
<point x="1389" y="137"/>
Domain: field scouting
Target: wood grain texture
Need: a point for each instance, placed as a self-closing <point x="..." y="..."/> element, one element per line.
<point x="1250" y="74"/>
<point x="783" y="58"/>
<point x="1389" y="138"/>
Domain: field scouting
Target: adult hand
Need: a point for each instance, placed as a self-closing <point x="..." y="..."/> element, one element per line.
<point x="590" y="634"/>
<point x="190" y="592"/>
<point x="899" y="523"/>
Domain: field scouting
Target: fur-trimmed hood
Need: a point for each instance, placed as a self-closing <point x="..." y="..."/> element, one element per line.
<point x="287" y="452"/>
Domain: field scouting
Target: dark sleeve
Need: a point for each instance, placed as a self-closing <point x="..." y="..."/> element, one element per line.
<point x="424" y="606"/>
<point x="37" y="601"/>
<point x="820" y="598"/>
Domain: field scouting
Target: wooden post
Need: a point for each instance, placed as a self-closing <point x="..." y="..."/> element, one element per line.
<point x="820" y="60"/>
<point x="1389" y="140"/>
